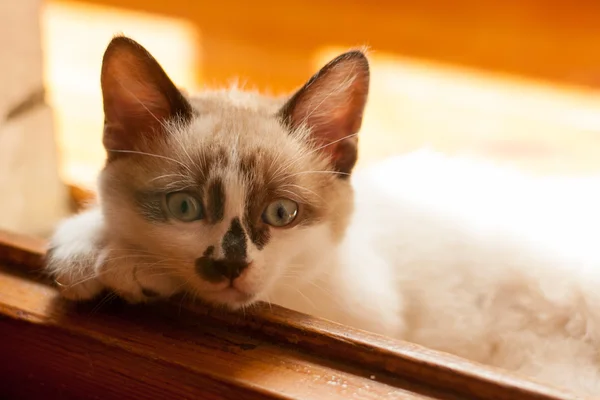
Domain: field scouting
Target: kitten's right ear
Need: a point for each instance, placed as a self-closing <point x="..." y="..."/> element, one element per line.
<point x="139" y="98"/>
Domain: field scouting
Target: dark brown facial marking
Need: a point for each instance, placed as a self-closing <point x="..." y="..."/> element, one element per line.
<point x="206" y="267"/>
<point x="209" y="251"/>
<point x="248" y="166"/>
<point x="216" y="271"/>
<point x="259" y="234"/>
<point x="234" y="241"/>
<point x="258" y="231"/>
<point x="215" y="202"/>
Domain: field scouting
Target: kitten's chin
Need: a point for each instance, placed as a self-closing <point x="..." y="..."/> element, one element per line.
<point x="231" y="298"/>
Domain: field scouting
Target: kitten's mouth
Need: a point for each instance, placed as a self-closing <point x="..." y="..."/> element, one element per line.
<point x="231" y="297"/>
<point x="238" y="294"/>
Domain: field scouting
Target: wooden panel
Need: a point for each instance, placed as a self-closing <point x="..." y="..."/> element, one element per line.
<point x="272" y="42"/>
<point x="538" y="126"/>
<point x="108" y="350"/>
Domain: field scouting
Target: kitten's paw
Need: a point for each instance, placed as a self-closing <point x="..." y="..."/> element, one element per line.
<point x="73" y="254"/>
<point x="132" y="277"/>
<point x="84" y="262"/>
<point x="76" y="287"/>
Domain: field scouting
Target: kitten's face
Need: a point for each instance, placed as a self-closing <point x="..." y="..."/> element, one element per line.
<point x="233" y="193"/>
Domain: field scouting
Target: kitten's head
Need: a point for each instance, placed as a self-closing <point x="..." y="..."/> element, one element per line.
<point x="232" y="192"/>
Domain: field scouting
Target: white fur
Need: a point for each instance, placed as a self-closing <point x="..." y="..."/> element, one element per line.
<point x="479" y="261"/>
<point x="75" y="251"/>
<point x="453" y="254"/>
<point x="83" y="262"/>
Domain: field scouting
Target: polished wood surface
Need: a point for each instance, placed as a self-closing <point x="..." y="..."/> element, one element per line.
<point x="272" y="42"/>
<point x="177" y="349"/>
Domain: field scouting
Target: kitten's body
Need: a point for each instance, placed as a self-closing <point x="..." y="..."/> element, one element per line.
<point x="455" y="255"/>
<point x="479" y="261"/>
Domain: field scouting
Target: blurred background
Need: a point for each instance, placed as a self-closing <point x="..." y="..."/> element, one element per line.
<point x="516" y="81"/>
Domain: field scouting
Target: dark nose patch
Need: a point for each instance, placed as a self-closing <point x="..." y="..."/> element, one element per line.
<point x="234" y="256"/>
<point x="217" y="270"/>
<point x="234" y="242"/>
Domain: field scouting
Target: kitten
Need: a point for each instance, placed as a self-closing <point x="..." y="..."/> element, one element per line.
<point x="238" y="198"/>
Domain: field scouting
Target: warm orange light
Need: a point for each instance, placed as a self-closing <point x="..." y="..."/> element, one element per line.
<point x="412" y="104"/>
<point x="534" y="125"/>
<point x="74" y="38"/>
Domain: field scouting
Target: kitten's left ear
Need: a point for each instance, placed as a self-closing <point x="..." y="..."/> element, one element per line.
<point x="331" y="105"/>
<point x="139" y="98"/>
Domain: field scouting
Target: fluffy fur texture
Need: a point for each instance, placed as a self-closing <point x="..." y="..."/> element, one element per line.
<point x="456" y="255"/>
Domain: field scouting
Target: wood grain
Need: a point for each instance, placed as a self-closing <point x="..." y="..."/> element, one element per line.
<point x="24" y="251"/>
<point x="271" y="43"/>
<point x="109" y="350"/>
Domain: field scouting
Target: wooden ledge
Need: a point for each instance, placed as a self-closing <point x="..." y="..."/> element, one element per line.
<point x="174" y="350"/>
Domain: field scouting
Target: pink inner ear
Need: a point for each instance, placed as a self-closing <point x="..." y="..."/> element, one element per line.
<point x="331" y="105"/>
<point x="134" y="113"/>
<point x="130" y="95"/>
<point x="143" y="101"/>
<point x="139" y="98"/>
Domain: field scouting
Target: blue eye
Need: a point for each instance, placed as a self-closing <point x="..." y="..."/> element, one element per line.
<point x="184" y="207"/>
<point x="280" y="212"/>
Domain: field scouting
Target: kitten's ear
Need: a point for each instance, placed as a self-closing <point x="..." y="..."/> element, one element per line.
<point x="331" y="105"/>
<point x="139" y="98"/>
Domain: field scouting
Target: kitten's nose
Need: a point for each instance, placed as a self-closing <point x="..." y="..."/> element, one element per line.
<point x="216" y="270"/>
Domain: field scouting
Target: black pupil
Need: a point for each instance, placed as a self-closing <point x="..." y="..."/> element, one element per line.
<point x="185" y="207"/>
<point x="281" y="212"/>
